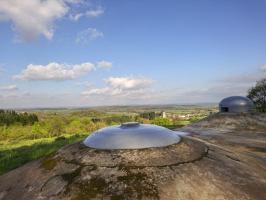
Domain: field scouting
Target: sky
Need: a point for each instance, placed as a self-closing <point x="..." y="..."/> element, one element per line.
<point x="76" y="53"/>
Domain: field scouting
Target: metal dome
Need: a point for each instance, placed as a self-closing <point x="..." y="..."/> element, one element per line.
<point x="131" y="135"/>
<point x="236" y="104"/>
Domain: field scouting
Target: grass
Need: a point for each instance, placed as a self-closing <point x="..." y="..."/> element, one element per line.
<point x="14" y="154"/>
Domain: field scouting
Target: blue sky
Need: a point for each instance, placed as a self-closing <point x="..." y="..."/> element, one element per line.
<point x="86" y="53"/>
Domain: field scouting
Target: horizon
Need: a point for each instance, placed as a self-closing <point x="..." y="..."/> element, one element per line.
<point x="97" y="53"/>
<point x="204" y="104"/>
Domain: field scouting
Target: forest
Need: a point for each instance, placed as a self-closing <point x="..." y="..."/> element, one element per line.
<point x="8" y="117"/>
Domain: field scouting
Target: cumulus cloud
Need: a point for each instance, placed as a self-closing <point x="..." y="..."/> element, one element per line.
<point x="128" y="83"/>
<point x="92" y="13"/>
<point x="104" y="64"/>
<point x="32" y="18"/>
<point x="76" y="17"/>
<point x="54" y="71"/>
<point x="122" y="86"/>
<point x="8" y="88"/>
<point x="88" y="35"/>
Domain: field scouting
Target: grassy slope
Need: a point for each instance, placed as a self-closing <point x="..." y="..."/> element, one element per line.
<point x="13" y="155"/>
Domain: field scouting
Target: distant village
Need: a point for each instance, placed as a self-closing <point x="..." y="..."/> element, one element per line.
<point x="176" y="116"/>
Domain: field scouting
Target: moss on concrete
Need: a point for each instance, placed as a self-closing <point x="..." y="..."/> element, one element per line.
<point x="96" y="186"/>
<point x="69" y="177"/>
<point x="138" y="183"/>
<point x="49" y="163"/>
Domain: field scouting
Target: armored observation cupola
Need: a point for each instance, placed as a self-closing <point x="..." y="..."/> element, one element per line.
<point x="236" y="104"/>
<point x="132" y="135"/>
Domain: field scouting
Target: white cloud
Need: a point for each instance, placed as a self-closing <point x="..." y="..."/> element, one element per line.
<point x="54" y="71"/>
<point x="92" y="13"/>
<point x="90" y="34"/>
<point x="98" y="91"/>
<point x="76" y="17"/>
<point x="8" y="88"/>
<point x="128" y="83"/>
<point x="122" y="86"/>
<point x="263" y="67"/>
<point x="104" y="64"/>
<point x="32" y="18"/>
<point x="74" y="1"/>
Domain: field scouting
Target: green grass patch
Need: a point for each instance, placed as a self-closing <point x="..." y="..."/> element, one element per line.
<point x="182" y="123"/>
<point x="15" y="154"/>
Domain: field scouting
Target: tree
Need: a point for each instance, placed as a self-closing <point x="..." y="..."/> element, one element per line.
<point x="36" y="130"/>
<point x="56" y="127"/>
<point x="258" y="95"/>
<point x="161" y="121"/>
<point x="9" y="117"/>
<point x="148" y="115"/>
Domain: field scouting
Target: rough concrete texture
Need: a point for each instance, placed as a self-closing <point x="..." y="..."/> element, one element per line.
<point x="224" y="159"/>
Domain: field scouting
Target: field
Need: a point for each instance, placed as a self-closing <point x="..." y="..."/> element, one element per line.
<point x="21" y="142"/>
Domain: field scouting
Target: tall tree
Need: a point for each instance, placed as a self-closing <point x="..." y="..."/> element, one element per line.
<point x="258" y="95"/>
<point x="8" y="117"/>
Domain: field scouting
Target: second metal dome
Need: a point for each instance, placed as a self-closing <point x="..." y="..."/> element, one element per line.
<point x="236" y="104"/>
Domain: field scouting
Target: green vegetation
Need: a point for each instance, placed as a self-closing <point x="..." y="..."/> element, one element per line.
<point x="9" y="117"/>
<point x="25" y="136"/>
<point x="148" y="115"/>
<point x="15" y="154"/>
<point x="258" y="95"/>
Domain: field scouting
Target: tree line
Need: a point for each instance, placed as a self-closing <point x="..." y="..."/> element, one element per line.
<point x="8" y="117"/>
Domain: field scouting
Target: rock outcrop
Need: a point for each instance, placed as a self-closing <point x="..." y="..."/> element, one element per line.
<point x="223" y="158"/>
